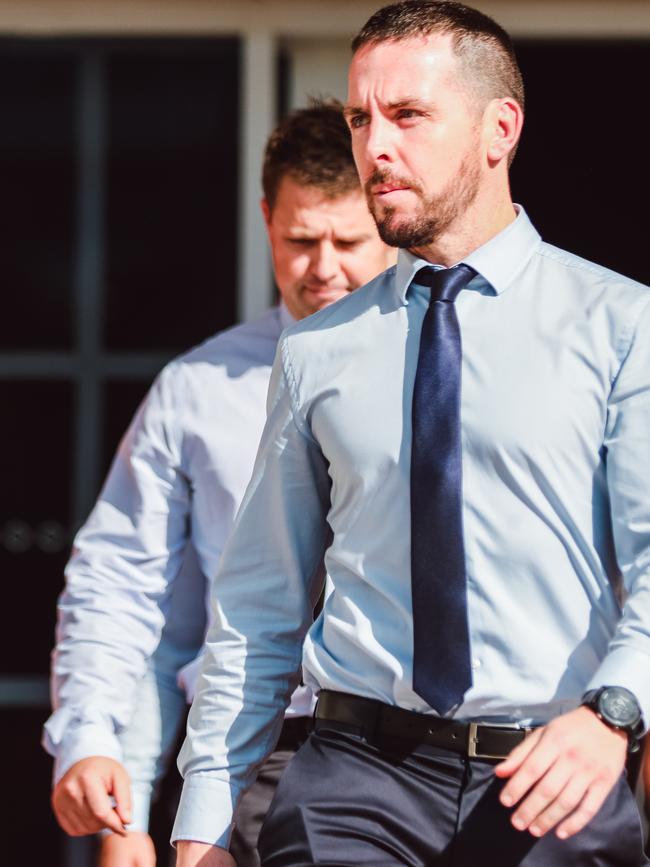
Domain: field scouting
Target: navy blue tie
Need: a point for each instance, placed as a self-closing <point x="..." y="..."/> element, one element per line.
<point x="441" y="652"/>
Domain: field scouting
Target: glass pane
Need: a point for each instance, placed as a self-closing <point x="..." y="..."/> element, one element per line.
<point x="582" y="168"/>
<point x="34" y="518"/>
<point x="37" y="179"/>
<point x="171" y="193"/>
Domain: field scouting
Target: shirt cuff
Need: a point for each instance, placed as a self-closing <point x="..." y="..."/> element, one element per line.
<point x="628" y="668"/>
<point x="83" y="741"/>
<point x="140" y="807"/>
<point x="205" y="811"/>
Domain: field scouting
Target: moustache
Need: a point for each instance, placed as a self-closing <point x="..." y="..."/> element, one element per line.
<point x="384" y="176"/>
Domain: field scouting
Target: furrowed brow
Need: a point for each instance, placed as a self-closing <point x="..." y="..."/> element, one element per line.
<point x="353" y="111"/>
<point x="407" y="102"/>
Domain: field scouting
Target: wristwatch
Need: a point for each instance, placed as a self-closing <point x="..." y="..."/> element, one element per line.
<point x="618" y="708"/>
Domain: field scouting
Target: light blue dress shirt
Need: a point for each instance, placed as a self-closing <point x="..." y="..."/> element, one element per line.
<point x="143" y="558"/>
<point x="556" y="507"/>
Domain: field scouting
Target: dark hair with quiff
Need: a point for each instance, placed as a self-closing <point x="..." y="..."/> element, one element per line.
<point x="313" y="147"/>
<point x="482" y="47"/>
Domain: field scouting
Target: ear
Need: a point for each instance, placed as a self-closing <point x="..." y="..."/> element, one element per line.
<point x="266" y="213"/>
<point x="505" y="119"/>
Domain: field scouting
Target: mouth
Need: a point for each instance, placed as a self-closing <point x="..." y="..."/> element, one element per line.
<point x="323" y="295"/>
<point x="387" y="189"/>
<point x="326" y="290"/>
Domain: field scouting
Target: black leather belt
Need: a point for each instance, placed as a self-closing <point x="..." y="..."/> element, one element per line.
<point x="376" y="719"/>
<point x="295" y="731"/>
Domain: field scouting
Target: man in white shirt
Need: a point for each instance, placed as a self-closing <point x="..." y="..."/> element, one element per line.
<point x="141" y="564"/>
<point x="471" y="460"/>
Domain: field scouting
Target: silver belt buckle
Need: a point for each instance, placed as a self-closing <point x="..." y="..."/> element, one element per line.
<point x="472" y="739"/>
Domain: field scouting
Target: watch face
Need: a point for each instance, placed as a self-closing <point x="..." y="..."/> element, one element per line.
<point x="619" y="707"/>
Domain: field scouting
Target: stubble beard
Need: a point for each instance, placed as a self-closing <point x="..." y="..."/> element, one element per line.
<point x="435" y="215"/>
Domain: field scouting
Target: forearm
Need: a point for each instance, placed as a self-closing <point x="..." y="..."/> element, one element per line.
<point x="97" y="635"/>
<point x="148" y="743"/>
<point x="627" y="662"/>
<point x="227" y="741"/>
<point x="263" y="606"/>
<point x="110" y="613"/>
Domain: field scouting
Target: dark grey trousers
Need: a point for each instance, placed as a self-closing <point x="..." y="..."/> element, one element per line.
<point x="254" y="805"/>
<point x="253" y="808"/>
<point x="345" y="801"/>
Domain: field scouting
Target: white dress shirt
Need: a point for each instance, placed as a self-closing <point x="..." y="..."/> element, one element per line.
<point x="155" y="535"/>
<point x="555" y="417"/>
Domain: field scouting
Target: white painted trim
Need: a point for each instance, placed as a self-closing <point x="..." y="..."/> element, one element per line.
<point x="319" y="67"/>
<point x="325" y="18"/>
<point x="258" y="98"/>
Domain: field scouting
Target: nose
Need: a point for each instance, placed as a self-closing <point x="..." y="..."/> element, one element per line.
<point x="324" y="263"/>
<point x="378" y="141"/>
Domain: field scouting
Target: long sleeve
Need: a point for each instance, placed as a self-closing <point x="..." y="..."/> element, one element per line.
<point x="628" y="475"/>
<point x="148" y="742"/>
<point x="123" y="561"/>
<point x="262" y="604"/>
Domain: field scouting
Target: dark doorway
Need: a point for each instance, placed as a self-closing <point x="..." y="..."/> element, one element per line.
<point x="582" y="170"/>
<point x="118" y="170"/>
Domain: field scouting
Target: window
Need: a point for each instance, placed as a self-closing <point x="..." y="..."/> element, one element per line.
<point x="118" y="169"/>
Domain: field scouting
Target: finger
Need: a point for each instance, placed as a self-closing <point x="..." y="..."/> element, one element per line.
<point x="121" y="790"/>
<point x="586" y="810"/>
<point x="543" y="794"/>
<point x="69" y="824"/>
<point x="85" y="820"/>
<point x="67" y="800"/>
<point x="99" y="808"/>
<point x="566" y="801"/>
<point x="77" y="823"/>
<point x="534" y="766"/>
<point x="517" y="756"/>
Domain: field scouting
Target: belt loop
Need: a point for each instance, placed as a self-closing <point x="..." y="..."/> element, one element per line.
<point x="373" y="732"/>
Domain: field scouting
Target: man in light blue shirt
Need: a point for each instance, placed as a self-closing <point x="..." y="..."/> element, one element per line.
<point x="550" y="644"/>
<point x="142" y="561"/>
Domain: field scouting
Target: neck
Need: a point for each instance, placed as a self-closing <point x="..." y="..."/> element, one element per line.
<point x="475" y="227"/>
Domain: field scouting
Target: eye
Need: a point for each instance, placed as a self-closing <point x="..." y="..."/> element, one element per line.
<point x="300" y="242"/>
<point x="356" y="121"/>
<point x="407" y="113"/>
<point x="347" y="245"/>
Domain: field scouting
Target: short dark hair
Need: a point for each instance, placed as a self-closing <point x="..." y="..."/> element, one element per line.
<point x="484" y="50"/>
<point x="313" y="147"/>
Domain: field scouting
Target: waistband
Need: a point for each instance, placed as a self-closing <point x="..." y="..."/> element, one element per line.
<point x="376" y="719"/>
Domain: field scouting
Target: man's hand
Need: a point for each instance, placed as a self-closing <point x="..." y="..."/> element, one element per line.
<point x="191" y="854"/>
<point x="81" y="800"/>
<point x="134" y="850"/>
<point x="565" y="770"/>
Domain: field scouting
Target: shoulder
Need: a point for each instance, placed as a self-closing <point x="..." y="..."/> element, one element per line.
<point x="596" y="292"/>
<point x="250" y="342"/>
<point x="332" y="322"/>
<point x="225" y="356"/>
<point x="593" y="277"/>
<point x="224" y="376"/>
<point x="319" y="349"/>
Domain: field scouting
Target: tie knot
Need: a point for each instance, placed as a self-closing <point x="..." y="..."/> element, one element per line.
<point x="445" y="283"/>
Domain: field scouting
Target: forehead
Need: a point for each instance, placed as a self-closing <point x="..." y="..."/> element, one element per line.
<point x="299" y="207"/>
<point x="386" y="71"/>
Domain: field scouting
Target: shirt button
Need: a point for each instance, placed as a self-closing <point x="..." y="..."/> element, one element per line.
<point x="476" y="663"/>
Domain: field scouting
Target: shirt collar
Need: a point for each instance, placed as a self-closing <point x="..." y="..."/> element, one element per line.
<point x="286" y="319"/>
<point x="498" y="261"/>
